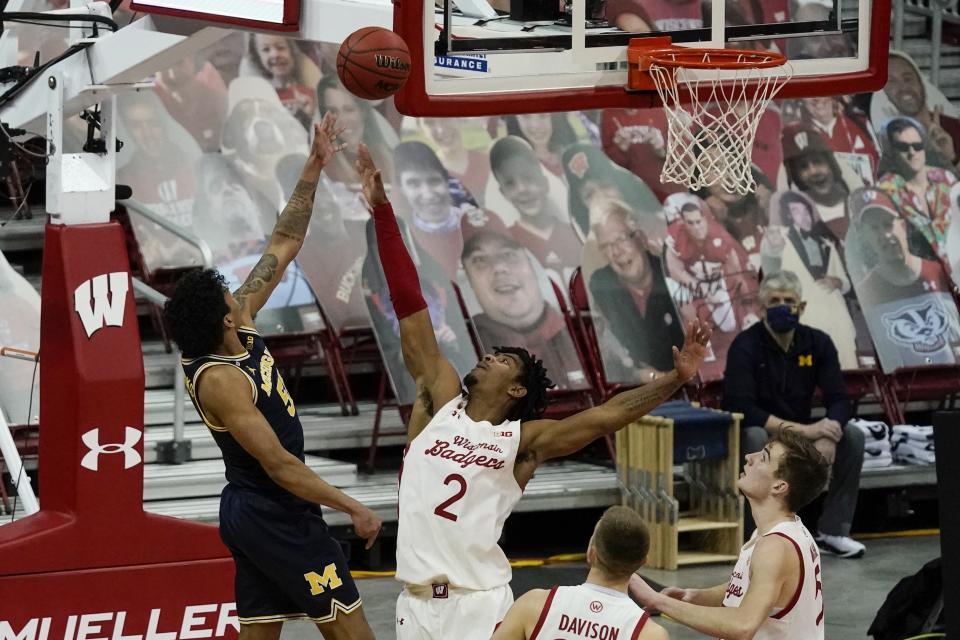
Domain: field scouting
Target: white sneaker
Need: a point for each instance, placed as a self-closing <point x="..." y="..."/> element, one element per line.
<point x="840" y="546"/>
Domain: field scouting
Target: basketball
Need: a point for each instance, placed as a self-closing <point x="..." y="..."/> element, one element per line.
<point x="373" y="63"/>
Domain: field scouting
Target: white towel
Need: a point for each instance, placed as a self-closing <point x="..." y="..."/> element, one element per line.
<point x="913" y="452"/>
<point x="873" y="431"/>
<point x="882" y="446"/>
<point x="919" y="433"/>
<point x="874" y="455"/>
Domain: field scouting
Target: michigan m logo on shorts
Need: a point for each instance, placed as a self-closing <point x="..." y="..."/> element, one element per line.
<point x="319" y="582"/>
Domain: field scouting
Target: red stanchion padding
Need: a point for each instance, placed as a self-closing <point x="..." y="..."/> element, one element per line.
<point x="92" y="549"/>
<point x="168" y="601"/>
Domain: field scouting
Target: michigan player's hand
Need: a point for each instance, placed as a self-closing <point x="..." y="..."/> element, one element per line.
<point x="326" y="139"/>
<point x="367" y="524"/>
<point x="687" y="361"/>
<point x="370" y="178"/>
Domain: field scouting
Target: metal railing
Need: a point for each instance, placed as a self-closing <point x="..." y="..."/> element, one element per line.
<point x="939" y="11"/>
<point x="184" y="234"/>
<point x="176" y="450"/>
<point x="8" y="448"/>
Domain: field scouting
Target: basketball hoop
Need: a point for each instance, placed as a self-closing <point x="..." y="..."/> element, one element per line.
<point x="713" y="99"/>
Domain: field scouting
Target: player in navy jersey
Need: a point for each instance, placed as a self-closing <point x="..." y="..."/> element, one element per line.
<point x="287" y="565"/>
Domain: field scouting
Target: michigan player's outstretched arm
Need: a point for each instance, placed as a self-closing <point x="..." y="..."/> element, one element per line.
<point x="437" y="380"/>
<point x="291" y="227"/>
<point x="545" y="439"/>
<point x="226" y="399"/>
<point x="774" y="560"/>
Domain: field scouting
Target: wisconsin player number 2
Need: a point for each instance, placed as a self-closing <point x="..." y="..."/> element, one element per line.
<point x="441" y="509"/>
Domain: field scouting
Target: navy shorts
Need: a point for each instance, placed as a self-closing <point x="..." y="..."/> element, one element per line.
<point x="288" y="565"/>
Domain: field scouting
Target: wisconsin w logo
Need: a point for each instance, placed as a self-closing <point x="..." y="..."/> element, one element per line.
<point x="108" y="301"/>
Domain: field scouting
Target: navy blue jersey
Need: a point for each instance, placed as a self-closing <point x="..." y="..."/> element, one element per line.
<point x="271" y="398"/>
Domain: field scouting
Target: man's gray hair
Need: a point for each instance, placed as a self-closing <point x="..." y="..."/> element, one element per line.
<point x="781" y="280"/>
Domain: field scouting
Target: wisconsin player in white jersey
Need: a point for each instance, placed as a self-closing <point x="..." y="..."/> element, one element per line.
<point x="600" y="607"/>
<point x="775" y="591"/>
<point x="471" y="452"/>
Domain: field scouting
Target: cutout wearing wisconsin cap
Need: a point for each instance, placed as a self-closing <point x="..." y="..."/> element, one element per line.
<point x="870" y="201"/>
<point x="481" y="222"/>
<point x="800" y="138"/>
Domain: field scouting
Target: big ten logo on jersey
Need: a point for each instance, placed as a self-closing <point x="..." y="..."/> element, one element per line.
<point x="320" y="582"/>
<point x="108" y="292"/>
<point x="266" y="383"/>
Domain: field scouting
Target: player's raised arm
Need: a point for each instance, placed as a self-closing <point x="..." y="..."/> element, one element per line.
<point x="291" y="227"/>
<point x="554" y="438"/>
<point x="437" y="380"/>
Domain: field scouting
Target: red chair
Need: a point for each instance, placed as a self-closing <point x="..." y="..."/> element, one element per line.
<point x="585" y="333"/>
<point x="935" y="383"/>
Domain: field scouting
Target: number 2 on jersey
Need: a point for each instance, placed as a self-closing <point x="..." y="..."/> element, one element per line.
<point x="441" y="509"/>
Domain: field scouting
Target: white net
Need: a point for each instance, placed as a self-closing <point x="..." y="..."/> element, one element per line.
<point x="712" y="118"/>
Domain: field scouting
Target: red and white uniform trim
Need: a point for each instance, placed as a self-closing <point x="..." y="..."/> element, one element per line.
<point x="802" y="617"/>
<point x="589" y="611"/>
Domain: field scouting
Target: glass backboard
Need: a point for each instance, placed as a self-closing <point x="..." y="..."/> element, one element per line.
<point x="488" y="57"/>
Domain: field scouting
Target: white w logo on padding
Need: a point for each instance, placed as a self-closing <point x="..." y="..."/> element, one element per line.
<point x="108" y="302"/>
<point x="91" y="438"/>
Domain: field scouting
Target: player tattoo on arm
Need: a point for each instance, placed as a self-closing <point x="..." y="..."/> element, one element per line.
<point x="638" y="402"/>
<point x="295" y="218"/>
<point x="263" y="273"/>
<point x="633" y="404"/>
<point x="641" y="398"/>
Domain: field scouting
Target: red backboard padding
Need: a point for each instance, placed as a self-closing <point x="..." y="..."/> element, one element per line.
<point x="92" y="548"/>
<point x="224" y="13"/>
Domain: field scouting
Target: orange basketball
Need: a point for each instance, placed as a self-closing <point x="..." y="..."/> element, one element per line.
<point x="373" y="63"/>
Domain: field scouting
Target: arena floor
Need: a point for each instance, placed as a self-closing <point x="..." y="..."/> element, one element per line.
<point x="853" y="589"/>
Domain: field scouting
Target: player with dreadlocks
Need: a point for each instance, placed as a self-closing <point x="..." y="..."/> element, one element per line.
<point x="473" y="447"/>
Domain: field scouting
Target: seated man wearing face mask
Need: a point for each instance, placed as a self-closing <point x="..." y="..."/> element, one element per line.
<point x="773" y="370"/>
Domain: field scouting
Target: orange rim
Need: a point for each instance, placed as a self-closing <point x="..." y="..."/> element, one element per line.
<point x="692" y="58"/>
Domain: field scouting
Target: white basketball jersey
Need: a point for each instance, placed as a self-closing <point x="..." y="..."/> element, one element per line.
<point x="456" y="490"/>
<point x="589" y="611"/>
<point x="802" y="618"/>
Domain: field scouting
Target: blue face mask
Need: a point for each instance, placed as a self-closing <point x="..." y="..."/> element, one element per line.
<point x="782" y="318"/>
